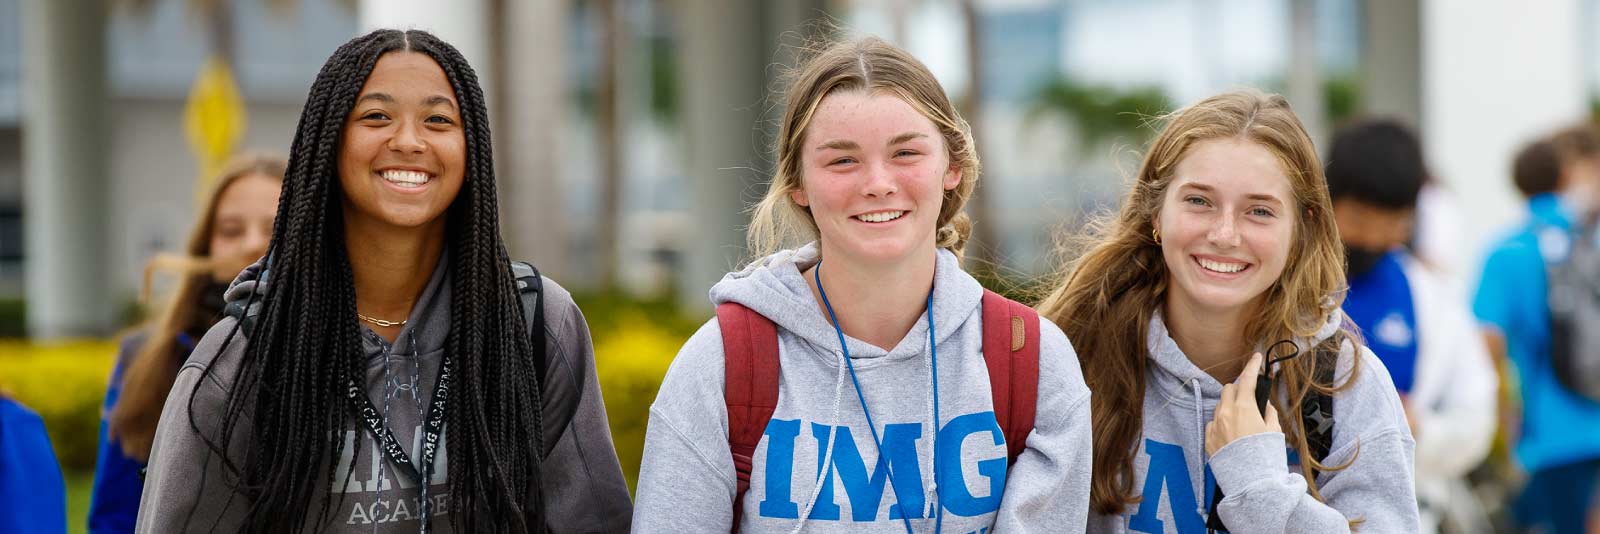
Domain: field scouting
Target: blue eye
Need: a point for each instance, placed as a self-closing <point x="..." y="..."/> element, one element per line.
<point x="842" y="161"/>
<point x="1262" y="212"/>
<point x="1198" y="201"/>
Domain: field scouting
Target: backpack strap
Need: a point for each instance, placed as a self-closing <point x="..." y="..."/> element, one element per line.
<point x="1317" y="407"/>
<point x="1011" y="351"/>
<point x="750" y="354"/>
<point x="530" y="289"/>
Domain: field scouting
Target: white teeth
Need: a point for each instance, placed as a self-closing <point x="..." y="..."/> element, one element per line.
<point x="405" y="178"/>
<point x="880" y="216"/>
<point x="1222" y="267"/>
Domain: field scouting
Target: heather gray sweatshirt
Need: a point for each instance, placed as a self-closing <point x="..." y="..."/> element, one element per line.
<point x="187" y="491"/>
<point x="1265" y="492"/>
<point x="687" y="484"/>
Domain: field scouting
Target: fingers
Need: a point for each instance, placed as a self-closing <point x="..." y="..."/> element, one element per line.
<point x="1272" y="419"/>
<point x="1247" y="379"/>
<point x="1213" y="440"/>
<point x="1229" y="391"/>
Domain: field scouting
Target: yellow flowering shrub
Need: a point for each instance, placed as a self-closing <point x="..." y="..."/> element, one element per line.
<point x="630" y="361"/>
<point x="66" y="384"/>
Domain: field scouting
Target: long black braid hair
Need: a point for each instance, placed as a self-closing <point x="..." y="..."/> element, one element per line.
<point x="304" y="345"/>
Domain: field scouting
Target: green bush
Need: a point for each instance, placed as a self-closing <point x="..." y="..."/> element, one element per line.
<point x="631" y="361"/>
<point x="66" y="384"/>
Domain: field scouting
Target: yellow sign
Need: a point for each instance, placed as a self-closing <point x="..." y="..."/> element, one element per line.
<point x="213" y="119"/>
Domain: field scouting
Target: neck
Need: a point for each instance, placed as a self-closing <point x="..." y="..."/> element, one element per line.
<point x="390" y="267"/>
<point x="877" y="303"/>
<point x="1212" y="339"/>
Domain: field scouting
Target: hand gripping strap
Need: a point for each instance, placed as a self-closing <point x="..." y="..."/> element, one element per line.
<point x="750" y="354"/>
<point x="1011" y="351"/>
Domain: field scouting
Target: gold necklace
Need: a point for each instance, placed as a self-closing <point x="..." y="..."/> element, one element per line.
<point x="380" y="322"/>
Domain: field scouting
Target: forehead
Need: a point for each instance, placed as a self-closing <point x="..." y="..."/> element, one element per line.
<point x="251" y="191"/>
<point x="1233" y="167"/>
<point x="865" y="115"/>
<point x="405" y="72"/>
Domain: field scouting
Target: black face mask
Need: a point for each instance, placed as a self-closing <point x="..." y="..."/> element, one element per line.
<point x="211" y="302"/>
<point x="1360" y="261"/>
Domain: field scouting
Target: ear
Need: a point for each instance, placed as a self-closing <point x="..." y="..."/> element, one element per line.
<point x="952" y="178"/>
<point x="798" y="196"/>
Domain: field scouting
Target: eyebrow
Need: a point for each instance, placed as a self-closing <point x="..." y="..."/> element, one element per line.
<point x="438" y="99"/>
<point x="381" y="97"/>
<point x="1253" y="196"/>
<point x="385" y="98"/>
<point x="842" y="144"/>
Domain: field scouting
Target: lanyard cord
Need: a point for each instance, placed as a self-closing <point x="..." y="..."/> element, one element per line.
<point x="876" y="441"/>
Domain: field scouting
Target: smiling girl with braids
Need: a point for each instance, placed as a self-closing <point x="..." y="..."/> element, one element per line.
<point x="384" y="340"/>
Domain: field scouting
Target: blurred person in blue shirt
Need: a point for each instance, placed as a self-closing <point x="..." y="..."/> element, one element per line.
<point x="232" y="231"/>
<point x="33" y="496"/>
<point x="1559" y="441"/>
<point x="1417" y="325"/>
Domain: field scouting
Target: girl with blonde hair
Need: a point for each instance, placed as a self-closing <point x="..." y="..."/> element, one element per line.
<point x="232" y="230"/>
<point x="1225" y="250"/>
<point x="884" y="405"/>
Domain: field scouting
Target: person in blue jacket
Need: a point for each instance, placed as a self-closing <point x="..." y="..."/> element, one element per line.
<point x="233" y="230"/>
<point x="32" y="493"/>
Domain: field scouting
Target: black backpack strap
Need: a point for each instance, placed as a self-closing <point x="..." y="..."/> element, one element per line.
<point x="530" y="288"/>
<point x="1317" y="407"/>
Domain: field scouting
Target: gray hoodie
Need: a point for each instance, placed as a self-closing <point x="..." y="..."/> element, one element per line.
<point x="1264" y="494"/>
<point x="686" y="483"/>
<point x="187" y="491"/>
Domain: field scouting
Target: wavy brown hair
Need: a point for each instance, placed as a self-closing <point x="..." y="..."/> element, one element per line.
<point x="864" y="64"/>
<point x="152" y="370"/>
<point x="1104" y="300"/>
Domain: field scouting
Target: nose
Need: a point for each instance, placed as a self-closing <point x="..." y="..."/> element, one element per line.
<point x="1223" y="232"/>
<point x="405" y="138"/>
<point x="880" y="182"/>
<point x="255" y="244"/>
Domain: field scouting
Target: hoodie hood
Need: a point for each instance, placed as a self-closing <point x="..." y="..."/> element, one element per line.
<point x="775" y="288"/>
<point x="1175" y="377"/>
<point x="426" y="327"/>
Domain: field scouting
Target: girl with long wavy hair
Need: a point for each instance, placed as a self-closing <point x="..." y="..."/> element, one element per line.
<point x="382" y="369"/>
<point x="1224" y="252"/>
<point x="884" y="412"/>
<point x="232" y="230"/>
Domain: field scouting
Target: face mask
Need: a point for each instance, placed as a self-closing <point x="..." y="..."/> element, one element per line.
<point x="1360" y="261"/>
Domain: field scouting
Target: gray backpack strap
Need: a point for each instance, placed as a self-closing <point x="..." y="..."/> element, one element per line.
<point x="530" y="288"/>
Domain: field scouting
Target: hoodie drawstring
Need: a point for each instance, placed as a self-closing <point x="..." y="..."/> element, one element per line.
<point x="827" y="455"/>
<point x="1200" y="435"/>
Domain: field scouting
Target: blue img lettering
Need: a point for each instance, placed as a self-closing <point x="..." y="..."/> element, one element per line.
<point x="780" y="469"/>
<point x="953" y="487"/>
<point x="865" y="488"/>
<point x="1170" y="470"/>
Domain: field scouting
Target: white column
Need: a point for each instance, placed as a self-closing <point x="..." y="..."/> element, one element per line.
<point x="722" y="71"/>
<point x="1305" y="71"/>
<point x="462" y="23"/>
<point x="1391" y="60"/>
<point x="1495" y="75"/>
<point x="64" y="167"/>
<point x="530" y="130"/>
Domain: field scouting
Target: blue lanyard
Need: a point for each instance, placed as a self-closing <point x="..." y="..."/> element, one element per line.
<point x="933" y="349"/>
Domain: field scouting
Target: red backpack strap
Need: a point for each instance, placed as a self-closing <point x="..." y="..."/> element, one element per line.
<point x="750" y="354"/>
<point x="1011" y="351"/>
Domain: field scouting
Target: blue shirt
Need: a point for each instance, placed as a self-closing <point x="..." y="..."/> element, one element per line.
<point x="1558" y="426"/>
<point x="114" y="501"/>
<point x="1380" y="303"/>
<point x="32" y="492"/>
